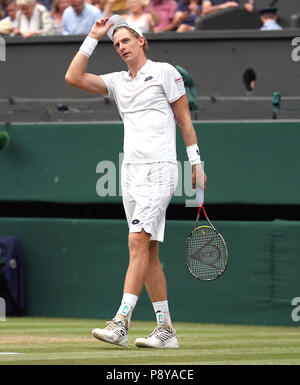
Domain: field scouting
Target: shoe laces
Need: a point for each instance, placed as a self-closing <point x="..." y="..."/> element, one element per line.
<point x="162" y="332"/>
<point x="113" y="325"/>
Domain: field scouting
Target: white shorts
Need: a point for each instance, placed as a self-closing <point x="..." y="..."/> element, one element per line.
<point x="147" y="190"/>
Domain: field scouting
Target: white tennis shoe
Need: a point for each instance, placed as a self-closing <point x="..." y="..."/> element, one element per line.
<point x="115" y="333"/>
<point x="163" y="337"/>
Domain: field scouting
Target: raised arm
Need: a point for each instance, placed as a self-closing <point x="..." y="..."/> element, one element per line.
<point x="76" y="75"/>
<point x="183" y="118"/>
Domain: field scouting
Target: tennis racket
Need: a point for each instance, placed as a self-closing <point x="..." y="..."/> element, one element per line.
<point x="206" y="254"/>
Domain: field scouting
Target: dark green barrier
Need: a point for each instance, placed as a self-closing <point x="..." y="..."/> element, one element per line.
<point x="254" y="162"/>
<point x="286" y="263"/>
<point x="76" y="268"/>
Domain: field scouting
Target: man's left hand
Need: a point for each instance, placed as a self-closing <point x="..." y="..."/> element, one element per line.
<point x="199" y="177"/>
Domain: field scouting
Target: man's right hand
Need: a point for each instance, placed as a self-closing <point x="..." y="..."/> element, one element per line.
<point x="100" y="28"/>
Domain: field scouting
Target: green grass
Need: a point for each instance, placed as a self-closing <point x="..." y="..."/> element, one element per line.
<point x="68" y="341"/>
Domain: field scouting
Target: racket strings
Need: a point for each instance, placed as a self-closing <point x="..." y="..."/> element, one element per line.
<point x="206" y="255"/>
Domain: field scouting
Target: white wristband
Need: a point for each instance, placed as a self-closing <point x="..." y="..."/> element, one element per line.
<point x="88" y="46"/>
<point x="193" y="154"/>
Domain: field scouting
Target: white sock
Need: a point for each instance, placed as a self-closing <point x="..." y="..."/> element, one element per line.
<point x="127" y="305"/>
<point x="162" y="313"/>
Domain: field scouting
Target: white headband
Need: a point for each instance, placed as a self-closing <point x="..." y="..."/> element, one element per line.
<point x="120" y="22"/>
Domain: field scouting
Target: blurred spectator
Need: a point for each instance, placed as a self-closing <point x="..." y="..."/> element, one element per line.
<point x="2" y="9"/>
<point x="5" y="28"/>
<point x="47" y="3"/>
<point x="79" y="18"/>
<point x="165" y="11"/>
<point x="211" y="6"/>
<point x="188" y="11"/>
<point x="268" y="17"/>
<point x="186" y="14"/>
<point x="32" y="19"/>
<point x="250" y="5"/>
<point x="11" y="11"/>
<point x="111" y="7"/>
<point x="97" y="3"/>
<point x="57" y="11"/>
<point x="137" y="15"/>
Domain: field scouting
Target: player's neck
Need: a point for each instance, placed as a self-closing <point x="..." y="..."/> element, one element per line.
<point x="136" y="66"/>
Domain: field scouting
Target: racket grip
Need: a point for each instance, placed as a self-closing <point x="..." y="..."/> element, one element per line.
<point x="199" y="195"/>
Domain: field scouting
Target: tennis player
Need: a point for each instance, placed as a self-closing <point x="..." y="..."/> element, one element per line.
<point x="150" y="97"/>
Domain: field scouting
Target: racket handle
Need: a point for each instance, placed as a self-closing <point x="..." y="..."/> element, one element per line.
<point x="199" y="195"/>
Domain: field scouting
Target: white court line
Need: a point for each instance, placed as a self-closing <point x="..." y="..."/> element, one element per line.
<point x="8" y="353"/>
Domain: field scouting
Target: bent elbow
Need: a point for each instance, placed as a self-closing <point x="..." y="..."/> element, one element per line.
<point x="72" y="80"/>
<point x="68" y="79"/>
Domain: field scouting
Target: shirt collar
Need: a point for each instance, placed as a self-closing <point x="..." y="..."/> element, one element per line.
<point x="145" y="67"/>
<point x="270" y="22"/>
<point x="142" y="70"/>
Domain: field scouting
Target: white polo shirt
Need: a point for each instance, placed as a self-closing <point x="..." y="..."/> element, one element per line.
<point x="144" y="106"/>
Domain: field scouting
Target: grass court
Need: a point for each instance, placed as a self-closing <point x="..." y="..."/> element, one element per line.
<point x="58" y="341"/>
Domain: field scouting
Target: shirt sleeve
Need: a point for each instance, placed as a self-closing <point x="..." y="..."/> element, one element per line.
<point x="172" y="83"/>
<point x="182" y="7"/>
<point x="173" y="9"/>
<point x="109" y="82"/>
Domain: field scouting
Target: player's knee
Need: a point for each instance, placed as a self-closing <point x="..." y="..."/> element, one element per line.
<point x="138" y="241"/>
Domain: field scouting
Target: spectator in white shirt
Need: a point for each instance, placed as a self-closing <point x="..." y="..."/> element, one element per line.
<point x="11" y="10"/>
<point x="32" y="19"/>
